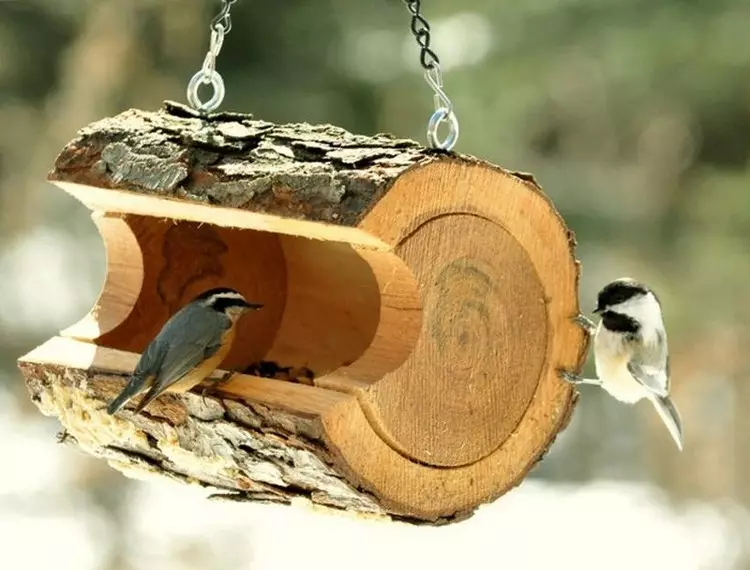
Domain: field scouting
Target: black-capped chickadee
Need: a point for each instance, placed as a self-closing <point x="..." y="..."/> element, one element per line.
<point x="188" y="348"/>
<point x="630" y="350"/>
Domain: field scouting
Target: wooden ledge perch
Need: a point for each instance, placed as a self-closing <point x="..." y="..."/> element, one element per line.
<point x="427" y="296"/>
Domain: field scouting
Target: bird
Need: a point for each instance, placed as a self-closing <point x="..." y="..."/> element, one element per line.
<point x="189" y="347"/>
<point x="630" y="350"/>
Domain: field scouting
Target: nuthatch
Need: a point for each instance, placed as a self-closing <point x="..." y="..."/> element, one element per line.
<point x="188" y="348"/>
<point x="630" y="350"/>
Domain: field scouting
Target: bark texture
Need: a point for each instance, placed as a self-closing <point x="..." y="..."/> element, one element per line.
<point x="244" y="451"/>
<point x="312" y="172"/>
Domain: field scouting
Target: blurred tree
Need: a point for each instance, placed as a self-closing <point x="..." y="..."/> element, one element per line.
<point x="632" y="114"/>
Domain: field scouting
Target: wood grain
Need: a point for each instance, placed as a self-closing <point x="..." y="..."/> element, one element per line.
<point x="430" y="293"/>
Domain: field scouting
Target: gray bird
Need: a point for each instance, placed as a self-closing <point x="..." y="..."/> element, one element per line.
<point x="188" y="348"/>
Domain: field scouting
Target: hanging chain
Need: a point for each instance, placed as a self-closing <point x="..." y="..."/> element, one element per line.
<point x="420" y="28"/>
<point x="223" y="18"/>
<point x="429" y="60"/>
<point x="220" y="26"/>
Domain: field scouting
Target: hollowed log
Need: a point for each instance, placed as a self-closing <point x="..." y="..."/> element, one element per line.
<point x="430" y="295"/>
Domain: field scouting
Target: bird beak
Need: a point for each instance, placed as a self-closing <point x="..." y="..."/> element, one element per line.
<point x="598" y="310"/>
<point x="254" y="306"/>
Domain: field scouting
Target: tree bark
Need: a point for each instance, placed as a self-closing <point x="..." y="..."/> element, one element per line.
<point x="313" y="172"/>
<point x="244" y="451"/>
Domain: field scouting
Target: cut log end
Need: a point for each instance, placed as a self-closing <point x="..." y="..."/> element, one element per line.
<point x="430" y="294"/>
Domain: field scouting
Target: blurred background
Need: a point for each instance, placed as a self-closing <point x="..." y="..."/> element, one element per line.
<point x="633" y="115"/>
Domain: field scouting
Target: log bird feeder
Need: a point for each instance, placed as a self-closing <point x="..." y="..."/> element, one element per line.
<point x="427" y="297"/>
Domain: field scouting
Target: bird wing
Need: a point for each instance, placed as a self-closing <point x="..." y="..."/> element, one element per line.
<point x="649" y="364"/>
<point x="151" y="359"/>
<point x="193" y="343"/>
<point x="197" y="342"/>
<point x="144" y="373"/>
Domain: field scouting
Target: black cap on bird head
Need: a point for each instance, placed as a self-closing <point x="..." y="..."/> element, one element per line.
<point x="223" y="298"/>
<point x="619" y="291"/>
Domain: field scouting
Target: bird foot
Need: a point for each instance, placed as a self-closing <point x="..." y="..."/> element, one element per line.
<point x="574" y="379"/>
<point x="585" y="323"/>
<point x="226" y="376"/>
<point x="212" y="387"/>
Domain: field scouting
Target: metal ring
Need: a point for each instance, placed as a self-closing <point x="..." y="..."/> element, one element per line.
<point x="216" y="82"/>
<point x="434" y="123"/>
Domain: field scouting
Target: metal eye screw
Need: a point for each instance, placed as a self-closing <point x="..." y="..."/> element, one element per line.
<point x="201" y="78"/>
<point x="208" y="75"/>
<point x="443" y="112"/>
<point x="429" y="60"/>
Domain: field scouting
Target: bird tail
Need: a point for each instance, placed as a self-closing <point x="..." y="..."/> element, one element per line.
<point x="670" y="416"/>
<point x="155" y="391"/>
<point x="136" y="385"/>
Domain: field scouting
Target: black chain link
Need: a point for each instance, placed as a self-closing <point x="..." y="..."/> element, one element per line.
<point x="223" y="17"/>
<point x="421" y="30"/>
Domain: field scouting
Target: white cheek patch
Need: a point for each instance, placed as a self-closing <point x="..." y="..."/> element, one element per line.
<point x="646" y="310"/>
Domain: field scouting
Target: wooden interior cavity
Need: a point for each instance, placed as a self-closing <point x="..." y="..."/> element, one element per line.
<point x="321" y="300"/>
